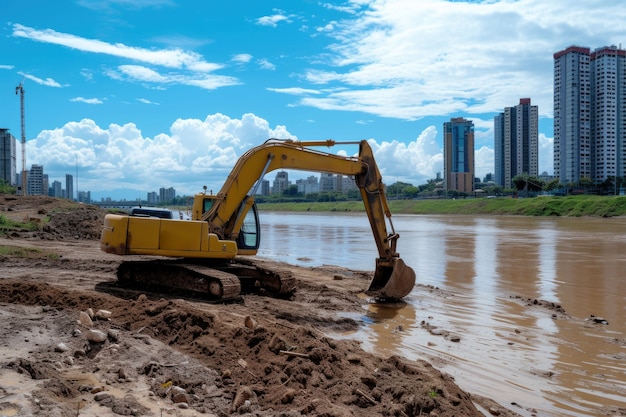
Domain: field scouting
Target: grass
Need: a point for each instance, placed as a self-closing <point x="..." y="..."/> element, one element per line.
<point x="7" y="225"/>
<point x="26" y="253"/>
<point x="572" y="206"/>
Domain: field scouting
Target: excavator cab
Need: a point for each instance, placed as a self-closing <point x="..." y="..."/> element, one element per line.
<point x="250" y="233"/>
<point x="246" y="222"/>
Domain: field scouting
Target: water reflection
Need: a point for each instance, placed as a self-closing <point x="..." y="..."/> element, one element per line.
<point x="479" y="271"/>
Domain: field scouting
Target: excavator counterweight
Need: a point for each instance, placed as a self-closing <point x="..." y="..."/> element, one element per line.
<point x="207" y="251"/>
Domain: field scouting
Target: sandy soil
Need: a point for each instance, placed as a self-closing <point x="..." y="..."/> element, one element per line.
<point x="73" y="343"/>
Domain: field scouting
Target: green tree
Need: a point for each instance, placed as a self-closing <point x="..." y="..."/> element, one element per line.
<point x="528" y="183"/>
<point x="552" y="185"/>
<point x="410" y="191"/>
<point x="5" y="188"/>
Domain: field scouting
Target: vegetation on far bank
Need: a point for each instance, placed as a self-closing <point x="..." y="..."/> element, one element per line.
<point x="575" y="206"/>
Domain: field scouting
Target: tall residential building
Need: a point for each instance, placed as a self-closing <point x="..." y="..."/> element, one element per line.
<point x="589" y="113"/>
<point x="516" y="142"/>
<point x="167" y="195"/>
<point x="608" y="112"/>
<point x="327" y="182"/>
<point x="56" y="189"/>
<point x="308" y="185"/>
<point x="281" y="182"/>
<point x="36" y="181"/>
<point x="8" y="160"/>
<point x="458" y="155"/>
<point x="69" y="186"/>
<point x="84" y="197"/>
<point x="152" y="198"/>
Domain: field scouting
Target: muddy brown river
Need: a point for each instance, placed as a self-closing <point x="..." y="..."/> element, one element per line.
<point x="488" y="269"/>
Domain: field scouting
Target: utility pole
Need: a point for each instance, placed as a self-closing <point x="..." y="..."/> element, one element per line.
<point x="20" y="90"/>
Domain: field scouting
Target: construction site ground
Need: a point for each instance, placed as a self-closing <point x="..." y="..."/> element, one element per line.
<point x="73" y="343"/>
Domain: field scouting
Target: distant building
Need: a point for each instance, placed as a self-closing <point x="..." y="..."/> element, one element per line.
<point x="56" y="190"/>
<point x="546" y="177"/>
<point x="152" y="198"/>
<point x="516" y="142"/>
<point x="166" y="195"/>
<point x="344" y="184"/>
<point x="327" y="182"/>
<point x="281" y="182"/>
<point x="36" y="185"/>
<point x="265" y="187"/>
<point x="8" y="149"/>
<point x="69" y="186"/>
<point x="308" y="185"/>
<point x="84" y="197"/>
<point x="458" y="155"/>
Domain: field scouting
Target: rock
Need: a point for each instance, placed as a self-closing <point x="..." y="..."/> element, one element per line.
<point x="243" y="393"/>
<point x="250" y="323"/>
<point x="103" y="395"/>
<point x="288" y="396"/>
<point x="96" y="336"/>
<point x="61" y="347"/>
<point x="90" y="313"/>
<point x="84" y="319"/>
<point x="113" y="335"/>
<point x="494" y="411"/>
<point x="181" y="397"/>
<point x="103" y="314"/>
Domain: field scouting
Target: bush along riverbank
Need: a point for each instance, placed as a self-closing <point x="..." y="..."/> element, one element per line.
<point x="573" y="206"/>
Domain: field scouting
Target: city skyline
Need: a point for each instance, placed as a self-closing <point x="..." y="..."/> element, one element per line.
<point x="151" y="90"/>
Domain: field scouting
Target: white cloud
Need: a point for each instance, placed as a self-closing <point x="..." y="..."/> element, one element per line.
<point x="195" y="153"/>
<point x="298" y="91"/>
<point x="86" y="100"/>
<point x="274" y="19"/>
<point x="48" y="82"/>
<point x="146" y="101"/>
<point x="265" y="64"/>
<point x="170" y="58"/>
<point x="242" y="58"/>
<point x="411" y="59"/>
<point x="8" y="67"/>
<point x="143" y="74"/>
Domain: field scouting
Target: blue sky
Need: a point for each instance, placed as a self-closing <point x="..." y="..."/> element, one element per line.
<point x="143" y="94"/>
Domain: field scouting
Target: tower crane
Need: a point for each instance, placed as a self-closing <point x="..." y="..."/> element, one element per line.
<point x="20" y="90"/>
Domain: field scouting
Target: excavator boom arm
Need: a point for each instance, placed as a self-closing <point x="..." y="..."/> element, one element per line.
<point x="392" y="278"/>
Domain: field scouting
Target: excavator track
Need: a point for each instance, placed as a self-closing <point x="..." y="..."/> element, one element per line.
<point x="221" y="281"/>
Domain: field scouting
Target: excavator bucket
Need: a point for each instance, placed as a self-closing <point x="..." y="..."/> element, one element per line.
<point x="393" y="281"/>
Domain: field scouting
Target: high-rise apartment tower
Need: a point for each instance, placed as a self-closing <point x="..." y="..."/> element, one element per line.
<point x="458" y="155"/>
<point x="589" y="113"/>
<point x="516" y="142"/>
<point x="7" y="157"/>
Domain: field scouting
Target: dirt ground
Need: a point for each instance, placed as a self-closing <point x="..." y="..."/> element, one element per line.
<point x="73" y="343"/>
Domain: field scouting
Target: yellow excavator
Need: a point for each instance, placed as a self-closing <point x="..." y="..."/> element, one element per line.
<point x="206" y="254"/>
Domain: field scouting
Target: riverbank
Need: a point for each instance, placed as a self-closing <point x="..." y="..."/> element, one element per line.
<point x="147" y="353"/>
<point x="574" y="206"/>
